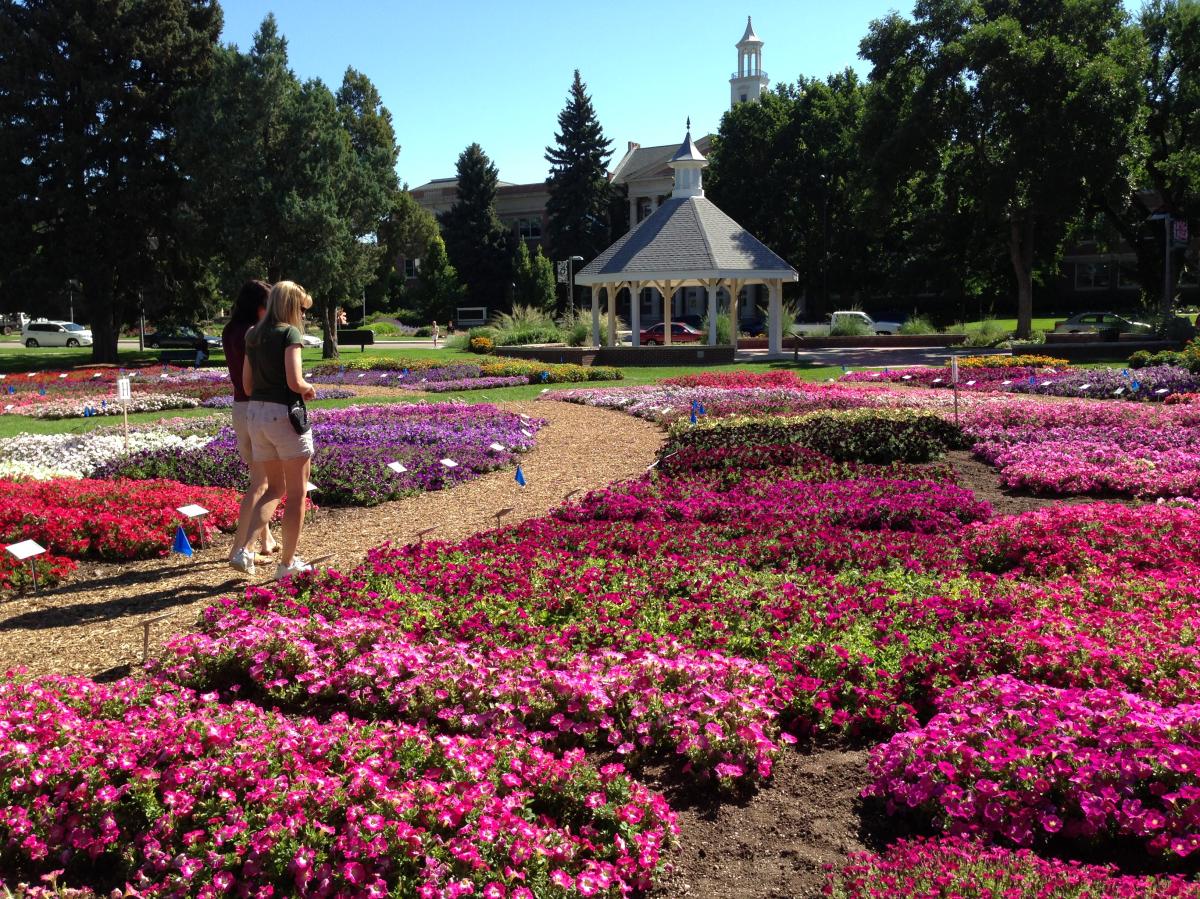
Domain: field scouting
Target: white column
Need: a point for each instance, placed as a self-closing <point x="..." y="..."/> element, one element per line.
<point x="774" y="317"/>
<point x="668" y="297"/>
<point x="734" y="288"/>
<point x="635" y="311"/>
<point x="633" y="213"/>
<point x="612" y="313"/>
<point x="595" y="316"/>
<point x="712" y="312"/>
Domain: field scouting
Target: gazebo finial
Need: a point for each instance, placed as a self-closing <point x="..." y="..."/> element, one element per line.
<point x="689" y="124"/>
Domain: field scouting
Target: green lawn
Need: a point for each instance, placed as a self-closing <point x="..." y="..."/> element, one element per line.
<point x="1010" y="324"/>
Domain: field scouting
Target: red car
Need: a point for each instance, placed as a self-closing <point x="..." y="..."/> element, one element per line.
<point x="680" y="333"/>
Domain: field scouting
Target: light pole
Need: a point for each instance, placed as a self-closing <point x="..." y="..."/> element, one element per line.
<point x="571" y="277"/>
<point x="1165" y="305"/>
<point x="825" y="242"/>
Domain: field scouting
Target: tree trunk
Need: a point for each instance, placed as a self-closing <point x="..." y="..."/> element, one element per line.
<point x="329" y="349"/>
<point x="101" y="307"/>
<point x="1020" y="250"/>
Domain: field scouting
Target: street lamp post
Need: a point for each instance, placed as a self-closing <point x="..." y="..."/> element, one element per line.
<point x="1165" y="305"/>
<point x="571" y="277"/>
<point x="825" y="241"/>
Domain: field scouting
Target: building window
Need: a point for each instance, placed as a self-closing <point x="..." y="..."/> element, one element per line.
<point x="643" y="208"/>
<point x="412" y="268"/>
<point x="1127" y="277"/>
<point x="743" y="98"/>
<point x="530" y="229"/>
<point x="1091" y="276"/>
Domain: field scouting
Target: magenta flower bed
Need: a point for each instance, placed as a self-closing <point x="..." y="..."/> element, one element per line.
<point x="1025" y="762"/>
<point x="935" y="869"/>
<point x="179" y="795"/>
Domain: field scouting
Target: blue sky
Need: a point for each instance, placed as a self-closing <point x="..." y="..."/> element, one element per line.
<point x="458" y="71"/>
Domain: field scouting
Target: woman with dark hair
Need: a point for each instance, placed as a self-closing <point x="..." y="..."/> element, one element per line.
<point x="248" y="311"/>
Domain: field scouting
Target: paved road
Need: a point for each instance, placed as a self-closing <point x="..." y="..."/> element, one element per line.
<point x="871" y="357"/>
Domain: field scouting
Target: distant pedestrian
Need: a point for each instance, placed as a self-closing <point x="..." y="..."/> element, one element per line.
<point x="248" y="311"/>
<point x="450" y="329"/>
<point x="280" y="436"/>
<point x="436" y="334"/>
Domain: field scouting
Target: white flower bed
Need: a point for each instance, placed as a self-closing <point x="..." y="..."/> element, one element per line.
<point x="77" y="455"/>
<point x="104" y="405"/>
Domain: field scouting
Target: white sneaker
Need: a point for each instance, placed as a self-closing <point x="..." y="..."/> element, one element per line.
<point x="242" y="560"/>
<point x="298" y="566"/>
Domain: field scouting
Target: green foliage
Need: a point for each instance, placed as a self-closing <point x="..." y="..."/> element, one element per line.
<point x="525" y="324"/>
<point x="918" y="324"/>
<point x="534" y="279"/>
<point x="439" y="289"/>
<point x="990" y="333"/>
<point x="878" y="436"/>
<point x="849" y="326"/>
<point x="1188" y="357"/>
<point x="1013" y="114"/>
<point x="479" y="245"/>
<point x="92" y="186"/>
<point x="481" y="345"/>
<point x="543" y="373"/>
<point x="724" y="329"/>
<point x="578" y="205"/>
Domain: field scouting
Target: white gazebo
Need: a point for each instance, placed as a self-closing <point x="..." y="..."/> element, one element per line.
<point x="687" y="242"/>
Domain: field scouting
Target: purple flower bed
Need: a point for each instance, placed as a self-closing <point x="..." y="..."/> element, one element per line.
<point x="354" y="447"/>
<point x="466" y="384"/>
<point x="225" y="400"/>
<point x="411" y="378"/>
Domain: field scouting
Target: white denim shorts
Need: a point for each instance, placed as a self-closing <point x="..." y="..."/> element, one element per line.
<point x="272" y="436"/>
<point x="241" y="427"/>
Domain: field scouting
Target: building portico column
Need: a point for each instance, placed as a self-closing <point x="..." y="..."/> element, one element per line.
<point x="668" y="303"/>
<point x="595" y="316"/>
<point x="713" y="286"/>
<point x="612" y="313"/>
<point x="774" y="317"/>
<point x="633" y="201"/>
<point x="635" y="311"/>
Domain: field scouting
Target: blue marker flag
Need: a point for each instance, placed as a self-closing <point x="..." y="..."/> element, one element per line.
<point x="545" y="376"/>
<point x="1137" y="385"/>
<point x="693" y="417"/>
<point x="181" y="544"/>
<point x="520" y="478"/>
<point x="700" y="408"/>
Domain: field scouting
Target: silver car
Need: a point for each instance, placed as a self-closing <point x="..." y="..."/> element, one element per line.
<point x="1095" y="322"/>
<point x="51" y="333"/>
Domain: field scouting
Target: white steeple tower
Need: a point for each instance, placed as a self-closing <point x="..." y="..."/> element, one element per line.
<point x="688" y="162"/>
<point x="749" y="81"/>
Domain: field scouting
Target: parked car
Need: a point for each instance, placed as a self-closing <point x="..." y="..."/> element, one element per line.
<point x="1095" y="322"/>
<point x="54" y="333"/>
<point x="869" y="325"/>
<point x="692" y="321"/>
<point x="311" y="340"/>
<point x="180" y="337"/>
<point x="680" y="333"/>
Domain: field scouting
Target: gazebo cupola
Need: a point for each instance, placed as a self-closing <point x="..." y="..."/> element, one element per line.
<point x="688" y="163"/>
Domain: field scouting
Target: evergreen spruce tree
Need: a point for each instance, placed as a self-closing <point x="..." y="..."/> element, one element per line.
<point x="439" y="289"/>
<point x="90" y="182"/>
<point x="533" y="275"/>
<point x="578" y="205"/>
<point x="479" y="245"/>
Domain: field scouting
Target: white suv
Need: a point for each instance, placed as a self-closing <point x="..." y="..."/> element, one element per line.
<point x="47" y="333"/>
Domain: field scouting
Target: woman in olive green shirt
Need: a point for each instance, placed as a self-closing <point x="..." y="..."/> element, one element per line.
<point x="272" y="376"/>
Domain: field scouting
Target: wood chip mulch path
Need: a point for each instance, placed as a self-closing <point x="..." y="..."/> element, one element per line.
<point x="92" y="624"/>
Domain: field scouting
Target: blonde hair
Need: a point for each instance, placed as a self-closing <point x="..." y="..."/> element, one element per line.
<point x="285" y="306"/>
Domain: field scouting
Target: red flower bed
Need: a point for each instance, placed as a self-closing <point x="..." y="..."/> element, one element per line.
<point x="110" y="520"/>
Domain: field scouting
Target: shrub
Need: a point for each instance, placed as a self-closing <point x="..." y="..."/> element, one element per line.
<point x="1174" y="327"/>
<point x="989" y="333"/>
<point x="879" y="436"/>
<point x="1025" y="360"/>
<point x="523" y="325"/>
<point x="724" y="329"/>
<point x="481" y="345"/>
<point x="543" y="373"/>
<point x="918" y="324"/>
